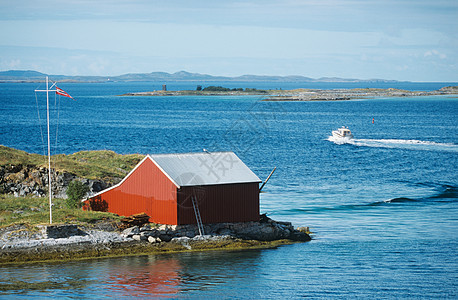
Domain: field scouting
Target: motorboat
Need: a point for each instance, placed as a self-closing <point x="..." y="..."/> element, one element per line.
<point x="342" y="132"/>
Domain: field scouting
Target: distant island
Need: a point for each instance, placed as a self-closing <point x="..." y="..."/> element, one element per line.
<point x="163" y="77"/>
<point x="301" y="94"/>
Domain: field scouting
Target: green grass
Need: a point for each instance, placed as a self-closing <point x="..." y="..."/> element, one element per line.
<point x="103" y="164"/>
<point x="10" y="156"/>
<point x="33" y="211"/>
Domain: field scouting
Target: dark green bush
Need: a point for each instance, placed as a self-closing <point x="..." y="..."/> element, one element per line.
<point x="75" y="192"/>
<point x="216" y="89"/>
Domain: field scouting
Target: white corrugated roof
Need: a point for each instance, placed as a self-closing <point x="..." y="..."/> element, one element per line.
<point x="204" y="168"/>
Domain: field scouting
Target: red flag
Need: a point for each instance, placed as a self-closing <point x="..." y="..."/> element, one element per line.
<point x="61" y="92"/>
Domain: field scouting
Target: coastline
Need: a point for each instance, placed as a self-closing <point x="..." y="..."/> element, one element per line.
<point x="72" y="252"/>
<point x="309" y="94"/>
<point x="28" y="244"/>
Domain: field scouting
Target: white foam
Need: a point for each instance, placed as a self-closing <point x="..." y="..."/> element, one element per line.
<point x="340" y="140"/>
<point x="396" y="143"/>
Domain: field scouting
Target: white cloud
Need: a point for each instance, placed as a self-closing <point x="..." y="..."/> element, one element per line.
<point x="10" y="64"/>
<point x="434" y="53"/>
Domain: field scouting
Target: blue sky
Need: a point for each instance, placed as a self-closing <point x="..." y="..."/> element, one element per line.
<point x="392" y="39"/>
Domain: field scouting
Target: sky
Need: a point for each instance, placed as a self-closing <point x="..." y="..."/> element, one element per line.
<point x="412" y="40"/>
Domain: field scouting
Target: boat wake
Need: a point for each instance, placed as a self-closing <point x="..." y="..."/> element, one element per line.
<point x="340" y="140"/>
<point x="397" y="144"/>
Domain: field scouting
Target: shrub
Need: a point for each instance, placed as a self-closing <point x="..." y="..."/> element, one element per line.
<point x="216" y="89"/>
<point x="75" y="192"/>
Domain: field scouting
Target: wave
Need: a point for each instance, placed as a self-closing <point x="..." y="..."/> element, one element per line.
<point x="445" y="194"/>
<point x="400" y="200"/>
<point x="350" y="207"/>
<point x="396" y="143"/>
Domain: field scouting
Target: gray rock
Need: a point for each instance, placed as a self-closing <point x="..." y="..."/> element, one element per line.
<point x="96" y="186"/>
<point x="61" y="231"/>
<point x="153" y="240"/>
<point x="129" y="232"/>
<point x="182" y="239"/>
<point x="172" y="228"/>
<point x="149" y="233"/>
<point x="26" y="181"/>
<point x="201" y="237"/>
<point x="145" y="227"/>
<point x="300" y="236"/>
<point x="189" y="234"/>
<point x="303" y="229"/>
<point x="165" y="237"/>
<point x="137" y="237"/>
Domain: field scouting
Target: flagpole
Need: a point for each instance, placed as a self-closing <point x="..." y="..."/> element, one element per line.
<point x="63" y="93"/>
<point x="49" y="154"/>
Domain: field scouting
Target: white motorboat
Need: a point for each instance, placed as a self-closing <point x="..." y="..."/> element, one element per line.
<point x="342" y="132"/>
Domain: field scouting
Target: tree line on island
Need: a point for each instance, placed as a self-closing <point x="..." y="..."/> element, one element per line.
<point x="224" y="89"/>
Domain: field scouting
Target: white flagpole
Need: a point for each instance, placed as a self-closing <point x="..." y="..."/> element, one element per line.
<point x="49" y="154"/>
<point x="49" y="146"/>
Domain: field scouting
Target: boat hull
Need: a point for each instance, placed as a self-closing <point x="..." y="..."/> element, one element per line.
<point x="338" y="135"/>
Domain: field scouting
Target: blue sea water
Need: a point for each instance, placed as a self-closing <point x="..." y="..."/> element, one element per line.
<point x="383" y="207"/>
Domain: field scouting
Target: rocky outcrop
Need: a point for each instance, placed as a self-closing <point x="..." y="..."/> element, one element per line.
<point x="261" y="231"/>
<point x="21" y="180"/>
<point x="60" y="231"/>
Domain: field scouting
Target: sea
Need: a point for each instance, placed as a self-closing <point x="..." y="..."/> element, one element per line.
<point x="383" y="207"/>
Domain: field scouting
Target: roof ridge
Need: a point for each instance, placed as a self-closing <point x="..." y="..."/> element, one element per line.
<point x="184" y="153"/>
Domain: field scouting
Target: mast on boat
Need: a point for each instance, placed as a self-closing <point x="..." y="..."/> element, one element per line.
<point x="48" y="89"/>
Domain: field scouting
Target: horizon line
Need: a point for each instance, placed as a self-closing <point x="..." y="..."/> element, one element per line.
<point x="225" y="76"/>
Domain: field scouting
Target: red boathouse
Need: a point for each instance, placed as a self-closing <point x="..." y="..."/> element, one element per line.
<point x="164" y="186"/>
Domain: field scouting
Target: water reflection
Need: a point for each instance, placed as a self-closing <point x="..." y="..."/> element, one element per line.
<point x="165" y="275"/>
<point x="174" y="274"/>
<point x="145" y="275"/>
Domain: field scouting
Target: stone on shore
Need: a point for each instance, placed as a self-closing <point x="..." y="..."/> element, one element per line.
<point x="266" y="230"/>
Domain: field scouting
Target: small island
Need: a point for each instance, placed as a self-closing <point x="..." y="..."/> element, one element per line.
<point x="26" y="235"/>
<point x="302" y="94"/>
<point x="207" y="91"/>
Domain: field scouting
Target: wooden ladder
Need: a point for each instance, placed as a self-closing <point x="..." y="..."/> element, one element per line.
<point x="200" y="226"/>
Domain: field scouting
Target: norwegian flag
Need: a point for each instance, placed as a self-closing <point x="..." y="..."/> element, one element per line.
<point x="61" y="92"/>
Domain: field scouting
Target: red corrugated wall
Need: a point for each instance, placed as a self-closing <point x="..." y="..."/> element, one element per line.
<point x="146" y="190"/>
<point x="220" y="203"/>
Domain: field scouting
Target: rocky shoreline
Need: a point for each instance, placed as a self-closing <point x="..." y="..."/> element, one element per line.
<point x="310" y="94"/>
<point x="350" y="94"/>
<point x="21" y="243"/>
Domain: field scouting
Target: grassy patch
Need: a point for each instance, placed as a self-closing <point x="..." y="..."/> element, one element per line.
<point x="31" y="210"/>
<point x="103" y="164"/>
<point x="106" y="165"/>
<point x="10" y="156"/>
